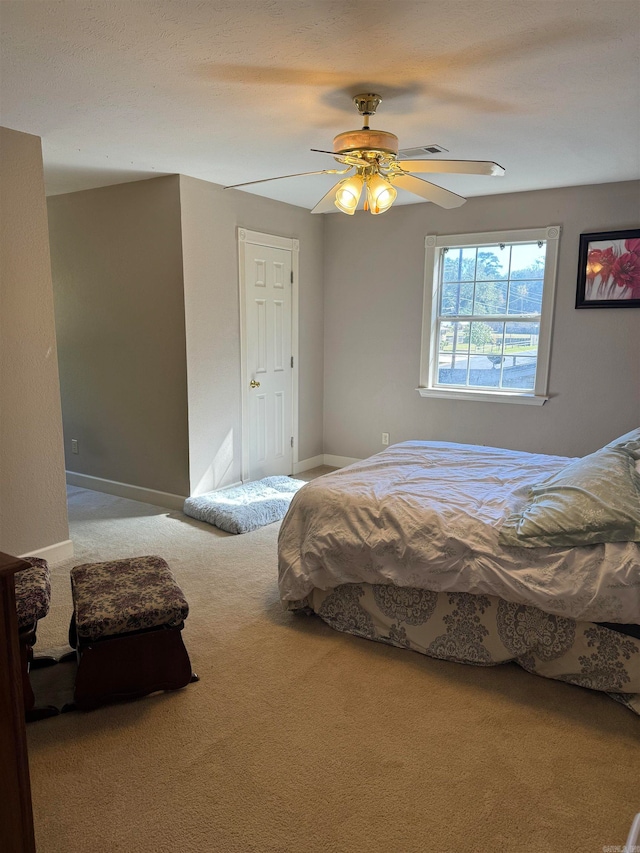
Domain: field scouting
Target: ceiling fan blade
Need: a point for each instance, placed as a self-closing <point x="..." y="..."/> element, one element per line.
<point x="327" y="202"/>
<point x="344" y="158"/>
<point x="296" y="175"/>
<point x="454" y="167"/>
<point x="438" y="195"/>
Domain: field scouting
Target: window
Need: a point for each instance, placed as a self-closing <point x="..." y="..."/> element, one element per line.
<point x="488" y="304"/>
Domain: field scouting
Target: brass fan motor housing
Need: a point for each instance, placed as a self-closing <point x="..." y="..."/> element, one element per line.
<point x="365" y="140"/>
<point x="373" y="154"/>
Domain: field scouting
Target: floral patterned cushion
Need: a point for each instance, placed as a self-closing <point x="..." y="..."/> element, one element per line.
<point x="120" y="596"/>
<point x="33" y="592"/>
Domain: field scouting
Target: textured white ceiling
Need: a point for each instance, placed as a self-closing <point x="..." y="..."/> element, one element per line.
<point x="237" y="91"/>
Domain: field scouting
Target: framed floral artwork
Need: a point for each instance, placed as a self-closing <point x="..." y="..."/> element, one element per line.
<point x="609" y="270"/>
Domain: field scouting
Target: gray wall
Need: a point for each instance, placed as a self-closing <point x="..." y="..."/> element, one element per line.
<point x="374" y="269"/>
<point x="210" y="217"/>
<point x="33" y="503"/>
<point x="147" y="308"/>
<point x="117" y="267"/>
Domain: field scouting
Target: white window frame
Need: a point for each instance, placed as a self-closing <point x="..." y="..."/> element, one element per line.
<point x="429" y="348"/>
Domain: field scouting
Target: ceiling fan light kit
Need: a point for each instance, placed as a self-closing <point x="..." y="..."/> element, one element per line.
<point x="374" y="156"/>
<point x="380" y="194"/>
<point x="348" y="194"/>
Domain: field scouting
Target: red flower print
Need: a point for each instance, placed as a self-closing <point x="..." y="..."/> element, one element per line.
<point x="608" y="260"/>
<point x="626" y="273"/>
<point x="600" y="262"/>
<point x="593" y="263"/>
<point x="632" y="246"/>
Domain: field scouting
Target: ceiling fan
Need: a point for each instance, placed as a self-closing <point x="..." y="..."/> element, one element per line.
<point x="374" y="156"/>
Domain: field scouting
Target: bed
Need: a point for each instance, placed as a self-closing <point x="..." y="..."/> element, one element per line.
<point x="444" y="549"/>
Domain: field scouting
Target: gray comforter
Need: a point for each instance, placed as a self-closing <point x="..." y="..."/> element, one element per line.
<point x="428" y="514"/>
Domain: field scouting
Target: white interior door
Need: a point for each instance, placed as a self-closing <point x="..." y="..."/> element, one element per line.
<point x="268" y="361"/>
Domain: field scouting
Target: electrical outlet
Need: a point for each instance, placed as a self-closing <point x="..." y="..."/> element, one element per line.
<point x="385" y="438"/>
<point x="74" y="445"/>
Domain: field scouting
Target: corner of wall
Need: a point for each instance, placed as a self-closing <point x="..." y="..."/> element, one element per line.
<point x="31" y="451"/>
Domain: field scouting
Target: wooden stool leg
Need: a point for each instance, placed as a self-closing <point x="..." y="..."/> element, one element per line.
<point x="31" y="710"/>
<point x="131" y="666"/>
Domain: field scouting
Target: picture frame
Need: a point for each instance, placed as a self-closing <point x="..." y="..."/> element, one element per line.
<point x="609" y="270"/>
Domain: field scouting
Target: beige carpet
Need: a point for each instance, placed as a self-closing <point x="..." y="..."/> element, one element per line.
<point x="298" y="738"/>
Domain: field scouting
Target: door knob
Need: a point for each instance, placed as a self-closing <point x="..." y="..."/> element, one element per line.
<point x="254" y="384"/>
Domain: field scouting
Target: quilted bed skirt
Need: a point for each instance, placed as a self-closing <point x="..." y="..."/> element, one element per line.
<point x="485" y="630"/>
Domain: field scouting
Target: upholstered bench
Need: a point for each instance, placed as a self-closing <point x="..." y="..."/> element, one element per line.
<point x="33" y="599"/>
<point x="126" y="628"/>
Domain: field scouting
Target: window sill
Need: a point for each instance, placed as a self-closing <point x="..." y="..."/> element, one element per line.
<point x="483" y="396"/>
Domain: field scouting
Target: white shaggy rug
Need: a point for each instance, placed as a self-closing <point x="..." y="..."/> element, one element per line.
<point x="242" y="509"/>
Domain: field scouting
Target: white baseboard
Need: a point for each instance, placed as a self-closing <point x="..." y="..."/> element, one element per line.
<point x="126" y="490"/>
<point x="218" y="489"/>
<point x="170" y="501"/>
<point x="55" y="553"/>
<point x="324" y="459"/>
<point x="308" y="464"/>
<point x="339" y="461"/>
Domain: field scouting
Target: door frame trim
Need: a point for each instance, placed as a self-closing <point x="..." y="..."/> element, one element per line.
<point x="274" y="242"/>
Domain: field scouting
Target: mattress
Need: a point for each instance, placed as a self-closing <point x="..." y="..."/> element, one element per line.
<point x="427" y="515"/>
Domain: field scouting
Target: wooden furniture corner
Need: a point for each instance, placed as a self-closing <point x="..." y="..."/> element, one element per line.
<point x="16" y="815"/>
